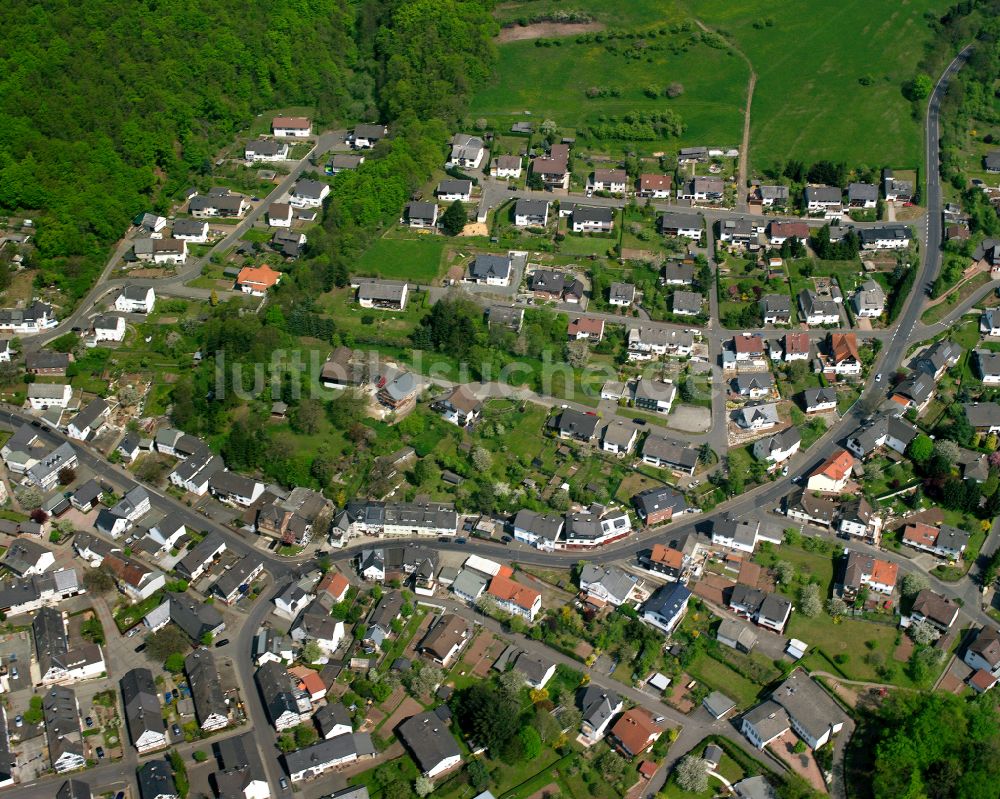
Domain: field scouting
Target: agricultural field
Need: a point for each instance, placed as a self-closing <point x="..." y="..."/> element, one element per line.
<point x="417" y="259"/>
<point x="811" y="100"/>
<point x="552" y="83"/>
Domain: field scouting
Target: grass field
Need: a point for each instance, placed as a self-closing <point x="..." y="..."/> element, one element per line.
<point x="808" y="102"/>
<point x="403" y="259"/>
<point x="552" y="83"/>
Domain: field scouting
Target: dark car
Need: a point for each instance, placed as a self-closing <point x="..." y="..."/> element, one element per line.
<point x="175" y="729"/>
<point x="639" y="421"/>
<point x="221" y="642"/>
<point x="141" y="647"/>
<point x="176" y="693"/>
<point x="100" y="753"/>
<point x="459" y="540"/>
<point x="88" y="721"/>
<point x="120" y="795"/>
<point x="283" y="783"/>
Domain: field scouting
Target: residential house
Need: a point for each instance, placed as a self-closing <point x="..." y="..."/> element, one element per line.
<point x="736" y="635"/>
<point x="614" y="181"/>
<point x="309" y="194"/>
<point x="945" y="541"/>
<point x="234" y="583"/>
<point x="859" y="519"/>
<point x="450" y="190"/>
<point x="988" y="366"/>
<point x="506" y="166"/>
<point x="89" y="421"/>
<point x="585" y="219"/>
<point x="778" y="448"/>
<point x="844" y="359"/>
<point x="241" y="775"/>
<point x="702" y="189"/>
<point x="664" y="453"/>
<point x="675" y="274"/>
<point x="321" y="757"/>
<point x="869" y="300"/>
<point x="688" y="226"/>
<point x="537" y="529"/>
<point x="25" y="558"/>
<point x="190" y="230"/>
<point x="862" y="571"/>
<point x="989" y="322"/>
<point x="26" y="321"/>
<point x="769" y="196"/>
<point x="109" y="327"/>
<point x="753" y="386"/>
<point x="445" y="639"/>
<point x="211" y="707"/>
<point x="291" y="601"/>
<point x="814" y="715"/>
<point x="58" y="663"/>
<point x="122" y="516"/>
<point x="635" y="731"/>
<point x="421" y="214"/>
<point x="656" y="186"/>
<point x="344" y="162"/>
<point x="332" y="719"/>
<point x="823" y="198"/>
<point x="621" y="295"/>
<point x="765" y="723"/>
<point x="656" y="396"/>
<point x="196" y="619"/>
<point x="316" y="624"/>
<point x="983" y="654"/>
<point x="665" y="560"/>
<point x="169" y="251"/>
<point x="862" y="195"/>
<point x="266" y="150"/>
<point x="553" y="169"/>
<point x="277" y="691"/>
<point x="42" y="396"/>
<point x="382" y="295"/>
<point x="466" y="152"/>
<point x="43" y="362"/>
<point x="431" y="743"/>
<point x="776" y="309"/>
<point x="219" y="202"/>
<point x="460" y="407"/>
<point x="143" y="717"/>
<point x="199" y="559"/>
<point x="555" y="286"/>
<point x="833" y="474"/>
<point x="938" y="358"/>
<point x="885" y="430"/>
<point x="44" y="473"/>
<point x="585" y="328"/>
<point x="594" y="527"/>
<point x="780" y="232"/>
<point x="742" y="232"/>
<point x="938" y="611"/>
<point x="983" y="416"/>
<point x="816" y="311"/>
<point x="665" y="608"/>
<point x="156" y="780"/>
<point x="619" y="436"/>
<point x="234" y="488"/>
<point x="469" y="585"/>
<point x="136" y="581"/>
<point x="917" y="390"/>
<point x="366" y="136"/>
<point x="599" y="705"/>
<point x="514" y="598"/>
<point x="607" y="584"/>
<point x="61" y="714"/>
<point x="531" y="213"/>
<point x="885" y="237"/>
<point x="648" y="343"/>
<point x="896" y="190"/>
<point x="537" y="671"/>
<point x="576" y="425"/>
<point x="686" y="303"/>
<point x="136" y="299"/>
<point x="757" y="417"/>
<point x="256" y="280"/>
<point x="748" y="349"/>
<point x="770" y="611"/>
<point x="692" y="155"/>
<point x="820" y="400"/>
<point x="291" y="127"/>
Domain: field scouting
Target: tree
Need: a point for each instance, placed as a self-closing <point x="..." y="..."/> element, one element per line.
<point x="29" y="497"/>
<point x="570" y="719"/>
<point x="612" y="766"/>
<point x="692" y="774"/>
<point x="487" y="715"/>
<point x="577" y="353"/>
<point x="453" y="220"/>
<point x="784" y="571"/>
<point x="479" y="777"/>
<point x="305" y="735"/>
<point x="511" y="682"/>
<point x="923" y="633"/>
<point x="311" y="651"/>
<point x="425" y="680"/>
<point x="67" y="475"/>
<point x="305" y="416"/>
<point x="174" y="662"/>
<point x="165" y="642"/>
<point x="947" y="450"/>
<point x="921" y="448"/>
<point x="836" y="607"/>
<point x="98" y="581"/>
<point x="547" y="726"/>
<point x="129" y="395"/>
<point x="912" y="584"/>
<point x="919" y="88"/>
<point x="482" y="459"/>
<point x="531" y="743"/>
<point x="809" y="601"/>
<point x="424" y="786"/>
<point x="199" y="755"/>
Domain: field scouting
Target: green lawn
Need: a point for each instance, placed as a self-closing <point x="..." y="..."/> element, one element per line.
<point x="551" y="83"/>
<point x="809" y="60"/>
<point x="418" y="259"/>
<point x="720" y="677"/>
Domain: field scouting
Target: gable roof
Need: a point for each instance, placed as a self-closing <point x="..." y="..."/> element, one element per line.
<point x="509" y="590"/>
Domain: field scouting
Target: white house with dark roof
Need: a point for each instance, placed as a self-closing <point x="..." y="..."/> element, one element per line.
<point x="862" y="195"/>
<point x="291" y="127"/>
<point x="466" y="152"/>
<point x="419" y="214"/>
<point x="265" y="150"/>
<point x="490" y="270"/>
<point x="366" y="136"/>
<point x="136" y="299"/>
<point x="309" y="194"/>
<point x="531" y="213"/>
<point x="598" y="219"/>
<point x="453" y="189"/>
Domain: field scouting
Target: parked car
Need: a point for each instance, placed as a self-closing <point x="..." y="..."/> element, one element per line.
<point x="175" y="729"/>
<point x="100" y="753"/>
<point x="89" y="721"/>
<point x="18" y="720"/>
<point x="141" y="647"/>
<point x="283" y="783"/>
<point x="167" y="696"/>
<point x="221" y="642"/>
<point x="13" y="672"/>
<point x="176" y="693"/>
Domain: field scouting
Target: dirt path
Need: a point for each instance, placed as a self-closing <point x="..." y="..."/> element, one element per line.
<point x="541" y="30"/>
<point x="741" y="177"/>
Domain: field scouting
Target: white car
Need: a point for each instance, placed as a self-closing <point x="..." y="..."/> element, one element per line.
<point x="878" y="378"/>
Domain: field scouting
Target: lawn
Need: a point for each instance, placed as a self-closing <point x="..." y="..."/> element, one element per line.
<point x="552" y="83"/>
<point x="954" y="298"/>
<point x="809" y="61"/>
<point x="418" y="259"/>
<point x="720" y="677"/>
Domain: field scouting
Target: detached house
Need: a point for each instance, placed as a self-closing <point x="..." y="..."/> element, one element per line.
<point x="702" y="189"/>
<point x="490" y="270"/>
<point x="778" y="448"/>
<point x="277" y="690"/>
<point x="944" y="541"/>
<point x="256" y="280"/>
<point x="988" y="366"/>
<point x="862" y="571"/>
<point x="843" y="358"/>
<point x="614" y="181"/>
<point x="430" y="741"/>
<point x="382" y="295"/>
<point x="514" y="598"/>
<point x="219" y="202"/>
<point x="445" y="639"/>
<point x="885" y="237"/>
<point x="884" y="430"/>
<point x="143" y="717"/>
<point x="776" y="309"/>
<point x="686" y="303"/>
<point x="816" y="311"/>
<point x="506" y="166"/>
<point x="291" y="127"/>
<point x="634" y="732"/>
<point x="265" y="150"/>
<point x="655" y="186"/>
<point x="89" y="421"/>
<point x="531" y="213"/>
<point x="938" y="611"/>
<point x="621" y="295"/>
<point x="454" y="189"/>
<point x="648" y="343"/>
<point x="659" y="505"/>
<point x="598" y="705"/>
<point x="460" y="407"/>
<point x="592" y="219"/>
<point x="833" y="474"/>
<point x="862" y="195"/>
<point x="938" y="358"/>
<point x="109" y="327"/>
<point x="753" y="386"/>
<point x="365" y="137"/>
<point x="136" y="299"/>
<point x="553" y="169"/>
<point x="309" y="194"/>
<point x="983" y="655"/>
<point x="869" y="300"/>
<point x="422" y="215"/>
<point x="780" y="232"/>
<point x="820" y="400"/>
<point x="758" y="417"/>
<point x="896" y="190"/>
<point x="688" y="226"/>
<point x="823" y="198"/>
<point x="665" y="609"/>
<point x="466" y="152"/>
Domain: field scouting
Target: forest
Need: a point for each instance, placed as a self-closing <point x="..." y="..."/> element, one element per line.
<point x="107" y="109"/>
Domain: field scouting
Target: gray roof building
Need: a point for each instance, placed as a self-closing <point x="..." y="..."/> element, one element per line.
<point x="156" y="780"/>
<point x="429" y="740"/>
